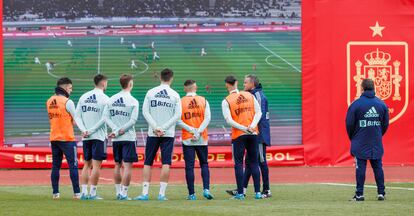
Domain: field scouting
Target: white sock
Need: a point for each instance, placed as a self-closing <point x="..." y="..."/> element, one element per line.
<point x="163" y="187"/>
<point x="124" y="190"/>
<point x="145" y="188"/>
<point x="84" y="189"/>
<point x="118" y="188"/>
<point x="244" y="190"/>
<point x="93" y="190"/>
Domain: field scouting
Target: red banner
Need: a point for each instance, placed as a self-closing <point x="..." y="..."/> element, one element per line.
<point x="344" y="42"/>
<point x="219" y="156"/>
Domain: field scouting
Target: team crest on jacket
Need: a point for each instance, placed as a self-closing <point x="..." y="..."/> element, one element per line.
<point x="386" y="63"/>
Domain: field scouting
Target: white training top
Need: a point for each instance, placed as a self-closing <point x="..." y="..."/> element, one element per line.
<point x="70" y="107"/>
<point x="122" y="113"/>
<point x="162" y="109"/>
<point x="227" y="114"/>
<point x="197" y="131"/>
<point x="90" y="114"/>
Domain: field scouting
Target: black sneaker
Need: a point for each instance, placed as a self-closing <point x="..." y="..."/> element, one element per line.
<point x="232" y="192"/>
<point x="358" y="198"/>
<point x="266" y="194"/>
<point x="381" y="197"/>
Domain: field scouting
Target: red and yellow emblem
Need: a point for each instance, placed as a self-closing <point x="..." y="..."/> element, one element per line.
<point x="385" y="62"/>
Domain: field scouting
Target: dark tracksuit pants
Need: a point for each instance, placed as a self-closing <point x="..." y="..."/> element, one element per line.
<point x="264" y="169"/>
<point x="361" y="165"/>
<point x="240" y="144"/>
<point x="189" y="158"/>
<point x="69" y="150"/>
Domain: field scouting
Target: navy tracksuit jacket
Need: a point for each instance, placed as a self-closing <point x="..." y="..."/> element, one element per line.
<point x="366" y="122"/>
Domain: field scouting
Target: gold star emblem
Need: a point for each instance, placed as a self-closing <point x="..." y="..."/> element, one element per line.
<point x="377" y="29"/>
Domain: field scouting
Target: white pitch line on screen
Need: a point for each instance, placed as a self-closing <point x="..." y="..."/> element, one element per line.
<point x="57" y="77"/>
<point x="293" y="66"/>
<point x="99" y="55"/>
<point x="367" y="186"/>
<point x="275" y="66"/>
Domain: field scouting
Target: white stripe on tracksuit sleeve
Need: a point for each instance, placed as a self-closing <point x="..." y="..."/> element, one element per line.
<point x="162" y="108"/>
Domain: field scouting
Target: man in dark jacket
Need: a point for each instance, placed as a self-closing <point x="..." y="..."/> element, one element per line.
<point x="252" y="85"/>
<point x="366" y="122"/>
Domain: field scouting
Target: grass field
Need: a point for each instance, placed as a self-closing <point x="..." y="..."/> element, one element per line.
<point x="289" y="199"/>
<point x="276" y="55"/>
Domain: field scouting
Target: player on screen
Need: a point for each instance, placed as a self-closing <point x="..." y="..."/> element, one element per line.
<point x="133" y="46"/>
<point x="121" y="115"/>
<point x="91" y="121"/>
<point x="61" y="111"/>
<point x="208" y="88"/>
<point x="49" y="66"/>
<point x="162" y="110"/>
<point x="242" y="112"/>
<point x="133" y="65"/>
<point x="203" y="52"/>
<point x="122" y="40"/>
<point x="37" y="60"/>
<point x="194" y="121"/>
<point x="70" y="43"/>
<point x="229" y="46"/>
<point x="155" y="75"/>
<point x="155" y="56"/>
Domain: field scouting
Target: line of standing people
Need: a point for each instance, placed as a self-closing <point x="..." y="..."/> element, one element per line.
<point x="245" y="111"/>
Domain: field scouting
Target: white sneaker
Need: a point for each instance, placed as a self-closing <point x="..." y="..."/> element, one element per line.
<point x="76" y="196"/>
<point x="56" y="196"/>
<point x="381" y="197"/>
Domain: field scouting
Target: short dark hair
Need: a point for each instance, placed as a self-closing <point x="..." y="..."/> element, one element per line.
<point x="124" y="80"/>
<point x="98" y="78"/>
<point x="63" y="81"/>
<point x="166" y="74"/>
<point x="230" y="80"/>
<point x="254" y="79"/>
<point x="368" y="84"/>
<point x="189" y="82"/>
